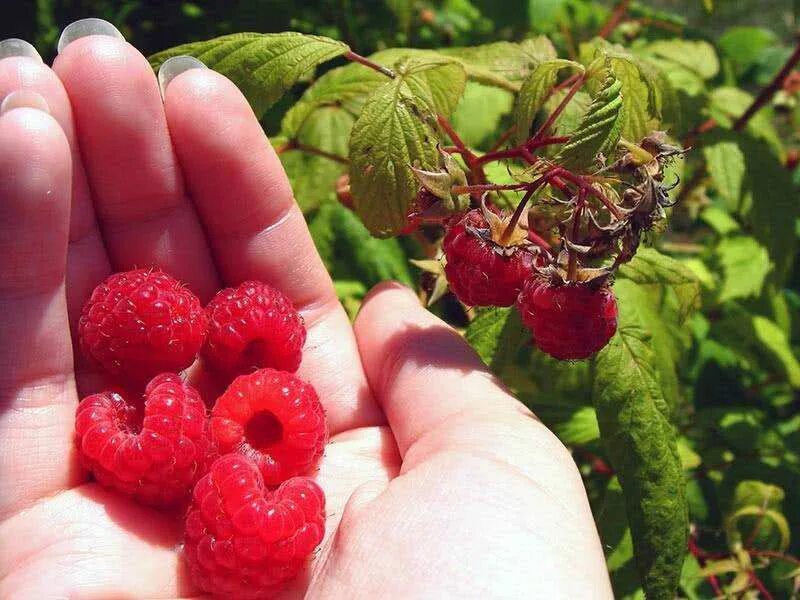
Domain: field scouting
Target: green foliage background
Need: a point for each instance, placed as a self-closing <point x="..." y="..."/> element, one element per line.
<point x="706" y="356"/>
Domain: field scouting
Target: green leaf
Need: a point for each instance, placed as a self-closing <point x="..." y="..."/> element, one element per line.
<point x="659" y="273"/>
<point x="726" y="104"/>
<point x="642" y="93"/>
<point x="696" y="56"/>
<point x="496" y="334"/>
<point x="744" y="45"/>
<point x="477" y="117"/>
<point x="313" y="177"/>
<point x="726" y="167"/>
<point x="534" y="91"/>
<point x="351" y="253"/>
<point x="502" y="64"/>
<point x="439" y="82"/>
<point x="599" y="130"/>
<point x="641" y="443"/>
<point x="580" y="428"/>
<point x="403" y="10"/>
<point x="262" y="65"/>
<point x="745" y="264"/>
<point x="755" y="511"/>
<point x="775" y="344"/>
<point x="392" y="133"/>
<point x="719" y="220"/>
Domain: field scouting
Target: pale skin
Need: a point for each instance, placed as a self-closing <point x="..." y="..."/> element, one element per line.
<point x="439" y="483"/>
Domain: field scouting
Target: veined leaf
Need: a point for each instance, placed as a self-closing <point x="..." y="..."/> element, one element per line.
<point x="439" y="82"/>
<point x="262" y="65"/>
<point x="534" y="91"/>
<point x="696" y="56"/>
<point x="725" y="163"/>
<point x="641" y="443"/>
<point x="496" y="334"/>
<point x="478" y="115"/>
<point x="600" y="128"/>
<point x="393" y="132"/>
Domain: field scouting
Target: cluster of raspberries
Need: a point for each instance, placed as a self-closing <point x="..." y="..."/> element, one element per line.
<point x="570" y="320"/>
<point x="253" y="519"/>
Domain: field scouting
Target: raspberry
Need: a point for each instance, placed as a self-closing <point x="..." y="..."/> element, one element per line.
<point x="140" y="323"/>
<point x="570" y="321"/>
<point x="156" y="459"/>
<point x="253" y="326"/>
<point x="243" y="541"/>
<point x="481" y="272"/>
<point x="275" y="419"/>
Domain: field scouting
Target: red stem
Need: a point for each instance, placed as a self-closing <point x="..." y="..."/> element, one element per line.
<point x="503" y="138"/>
<point x="769" y="91"/>
<point x="760" y="586"/>
<point x="559" y="109"/>
<point x="614" y="19"/>
<point x="352" y="56"/>
<point x="582" y="184"/>
<point x="487" y="187"/>
<point x="701" y="556"/>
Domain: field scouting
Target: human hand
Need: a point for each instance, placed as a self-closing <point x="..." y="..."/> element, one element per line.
<point x="439" y="483"/>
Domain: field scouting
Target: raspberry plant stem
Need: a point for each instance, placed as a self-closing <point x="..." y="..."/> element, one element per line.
<point x="577" y="84"/>
<point x="615" y="19"/>
<point x="352" y="56"/>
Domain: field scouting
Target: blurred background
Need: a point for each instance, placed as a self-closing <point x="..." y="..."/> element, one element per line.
<point x="371" y="25"/>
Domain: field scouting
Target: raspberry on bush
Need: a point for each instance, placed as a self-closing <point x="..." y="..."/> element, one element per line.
<point x="253" y="326"/>
<point x="140" y="323"/>
<point x="482" y="269"/>
<point x="244" y="541"/>
<point x="570" y="321"/>
<point x="154" y="455"/>
<point x="274" y="418"/>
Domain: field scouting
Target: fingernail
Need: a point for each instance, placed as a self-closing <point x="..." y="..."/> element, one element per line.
<point x="17" y="47"/>
<point x="172" y="67"/>
<point x="24" y="99"/>
<point x="86" y="27"/>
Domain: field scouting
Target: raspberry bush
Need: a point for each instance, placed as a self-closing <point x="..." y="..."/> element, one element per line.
<point x="613" y="207"/>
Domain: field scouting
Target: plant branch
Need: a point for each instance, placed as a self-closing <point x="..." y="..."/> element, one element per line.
<point x="295" y="145"/>
<point x="768" y="92"/>
<point x="503" y="139"/>
<point x="615" y="19"/>
<point x="352" y="56"/>
<point x="776" y="555"/>
<point x="762" y="589"/>
<point x="487" y="187"/>
<point x="576" y="85"/>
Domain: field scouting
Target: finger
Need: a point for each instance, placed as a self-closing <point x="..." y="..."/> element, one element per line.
<point x="257" y="231"/>
<point x="87" y="262"/>
<point x="439" y="397"/>
<point x="137" y="187"/>
<point x="37" y="389"/>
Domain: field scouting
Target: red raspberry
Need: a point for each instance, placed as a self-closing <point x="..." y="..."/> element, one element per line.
<point x="479" y="271"/>
<point x="275" y="419"/>
<point x="141" y="323"/>
<point x="244" y="541"/>
<point x="156" y="459"/>
<point x="253" y="326"/>
<point x="570" y="321"/>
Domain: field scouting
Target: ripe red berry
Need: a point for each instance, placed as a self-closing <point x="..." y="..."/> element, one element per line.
<point x="156" y="459"/>
<point x="253" y="326"/>
<point x="244" y="541"/>
<point x="140" y="323"/>
<point x="480" y="271"/>
<point x="275" y="419"/>
<point x="570" y="321"/>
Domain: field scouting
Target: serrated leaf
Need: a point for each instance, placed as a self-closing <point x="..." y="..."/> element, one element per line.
<point x="644" y="96"/>
<point x="657" y="272"/>
<point x="496" y="334"/>
<point x="392" y="133"/>
<point x="696" y="56"/>
<point x="720" y="221"/>
<point x="745" y="264"/>
<point x="262" y="65"/>
<point x="641" y="443"/>
<point x="534" y="91"/>
<point x="439" y="82"/>
<point x="744" y="45"/>
<point x="502" y="64"/>
<point x="599" y="130"/>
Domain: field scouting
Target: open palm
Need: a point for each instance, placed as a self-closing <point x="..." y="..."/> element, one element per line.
<point x="439" y="483"/>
